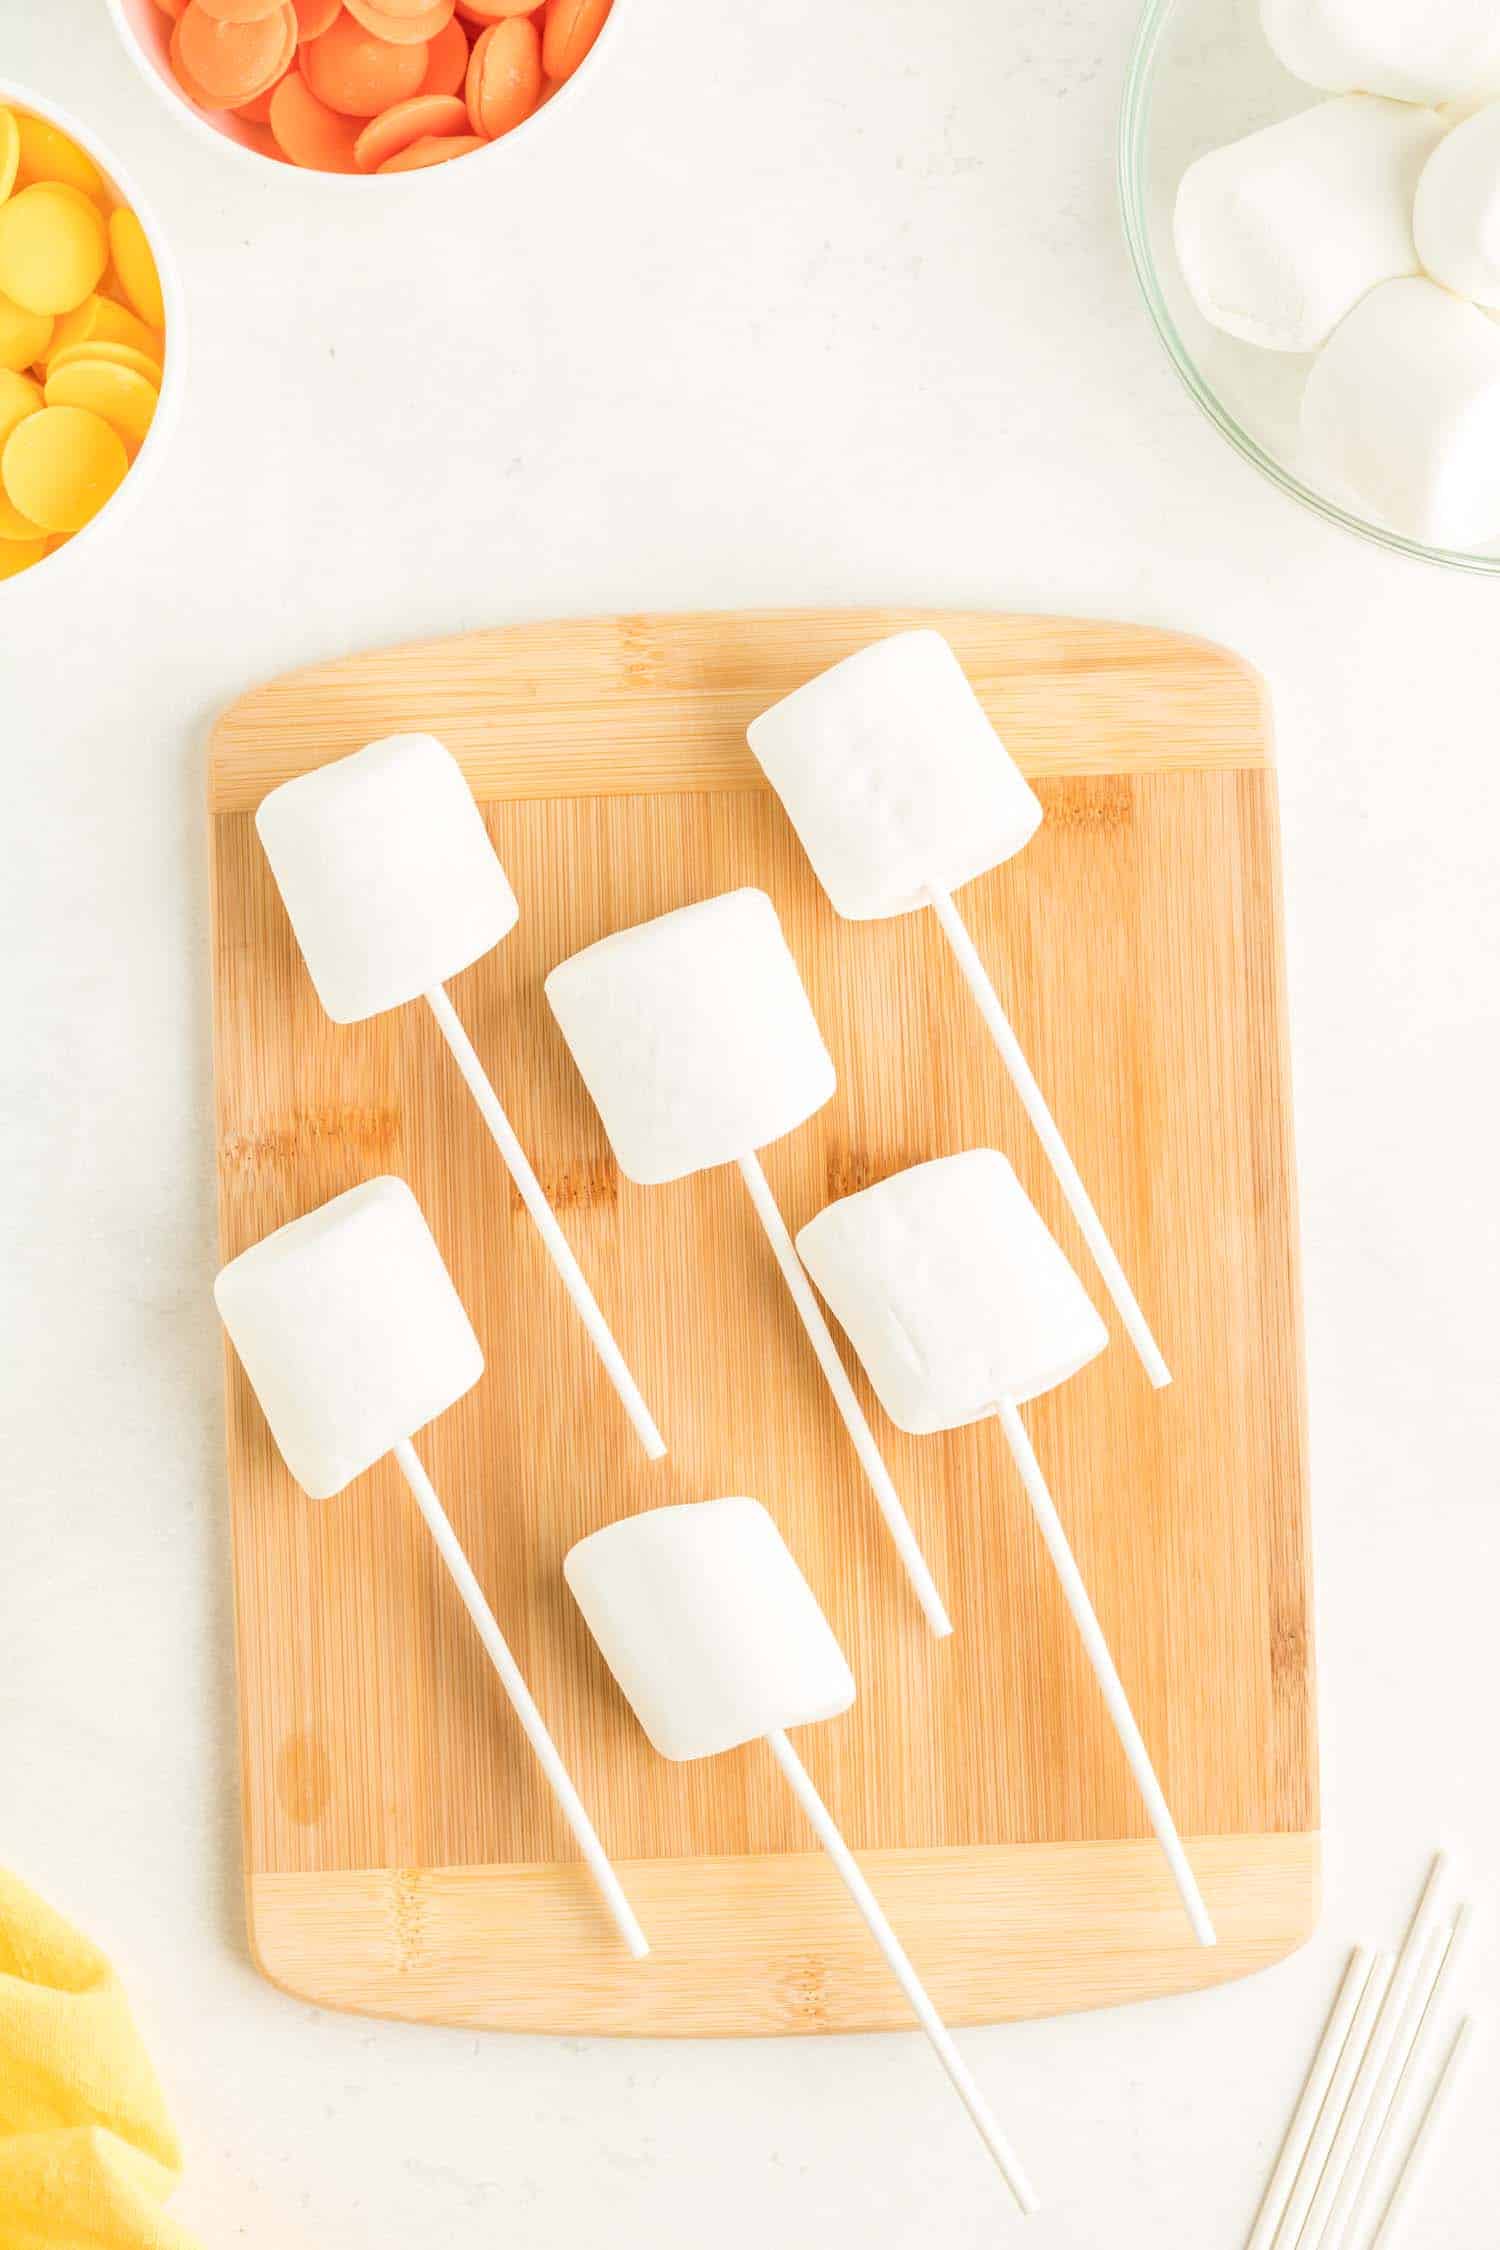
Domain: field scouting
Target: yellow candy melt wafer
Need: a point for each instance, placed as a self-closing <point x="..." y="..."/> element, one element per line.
<point x="19" y="396"/>
<point x="136" y="267"/>
<point x="82" y="334"/>
<point x="118" y="395"/>
<point x="53" y="247"/>
<point x="10" y="151"/>
<point x="117" y="355"/>
<point x="60" y="466"/>
<point x="48" y="153"/>
<point x="13" y="525"/>
<point x="99" y="320"/>
<point x="17" y="555"/>
<point x="24" y="336"/>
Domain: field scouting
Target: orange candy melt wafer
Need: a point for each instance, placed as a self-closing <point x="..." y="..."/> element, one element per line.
<point x="447" y="60"/>
<point x="315" y="16"/>
<point x="308" y="132"/>
<point x="239" y="11"/>
<point x="436" y="149"/>
<point x="257" y="111"/>
<point x="495" y="11"/>
<point x="404" y="29"/>
<point x="569" y="30"/>
<point x="504" y="82"/>
<point x="233" y="62"/>
<point x="352" y="71"/>
<point x="424" y="117"/>
<point x="196" y="94"/>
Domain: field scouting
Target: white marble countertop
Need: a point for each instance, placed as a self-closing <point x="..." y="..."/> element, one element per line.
<point x="807" y="304"/>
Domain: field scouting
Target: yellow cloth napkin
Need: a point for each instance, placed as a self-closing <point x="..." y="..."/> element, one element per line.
<point x="88" y="2156"/>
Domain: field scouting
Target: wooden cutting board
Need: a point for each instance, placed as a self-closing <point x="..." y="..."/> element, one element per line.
<point x="402" y="1854"/>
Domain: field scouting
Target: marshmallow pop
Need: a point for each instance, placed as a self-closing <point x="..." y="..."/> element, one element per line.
<point x="716" y="1639"/>
<point x="353" y="1336"/>
<point x="696" y="1040"/>
<point x="900" y="791"/>
<point x="392" y="885"/>
<point x="961" y="1305"/>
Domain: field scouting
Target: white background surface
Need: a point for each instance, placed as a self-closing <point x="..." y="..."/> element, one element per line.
<point x="805" y="304"/>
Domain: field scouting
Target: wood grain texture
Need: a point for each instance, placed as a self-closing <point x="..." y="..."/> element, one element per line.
<point x="616" y="706"/>
<point x="989" y="1928"/>
<point x="1137" y="942"/>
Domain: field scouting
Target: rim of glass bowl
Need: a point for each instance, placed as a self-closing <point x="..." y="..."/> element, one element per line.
<point x="1135" y="126"/>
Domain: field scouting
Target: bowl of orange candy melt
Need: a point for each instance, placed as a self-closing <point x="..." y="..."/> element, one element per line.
<point x="85" y="317"/>
<point x="360" y="87"/>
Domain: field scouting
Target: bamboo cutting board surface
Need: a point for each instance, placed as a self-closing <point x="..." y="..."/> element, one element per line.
<point x="403" y="1855"/>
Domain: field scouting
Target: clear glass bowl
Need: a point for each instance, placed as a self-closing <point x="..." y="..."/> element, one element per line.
<point x="1202" y="74"/>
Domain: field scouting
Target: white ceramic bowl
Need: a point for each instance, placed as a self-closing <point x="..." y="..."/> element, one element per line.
<point x="146" y="35"/>
<point x="144" y="469"/>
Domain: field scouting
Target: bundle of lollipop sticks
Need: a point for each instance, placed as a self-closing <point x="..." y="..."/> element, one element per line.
<point x="1371" y="2104"/>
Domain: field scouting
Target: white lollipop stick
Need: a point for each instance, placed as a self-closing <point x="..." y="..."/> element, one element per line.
<point x="532" y="1723"/>
<point x="558" y="1248"/>
<point x="1316" y="2155"/>
<point x="1076" y="1594"/>
<point x="977" y="977"/>
<point x="960" y="2076"/>
<point x="1389" y="2104"/>
<point x="888" y="1500"/>
<point x="1438" y="2101"/>
<point x="1305" y="2116"/>
<point x="1372" y="2064"/>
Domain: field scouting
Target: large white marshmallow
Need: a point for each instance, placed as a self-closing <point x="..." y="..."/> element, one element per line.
<point x="951" y="1290"/>
<point x="1280" y="234"/>
<point x="709" y="1626"/>
<point x="694" y="1035"/>
<point x="387" y="873"/>
<point x="1413" y="50"/>
<point x="1457" y="217"/>
<point x="893" y="777"/>
<point x="350" y="1331"/>
<point x="1401" y="415"/>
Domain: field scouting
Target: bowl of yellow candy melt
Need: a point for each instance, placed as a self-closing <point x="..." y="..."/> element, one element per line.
<point x="89" y="335"/>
